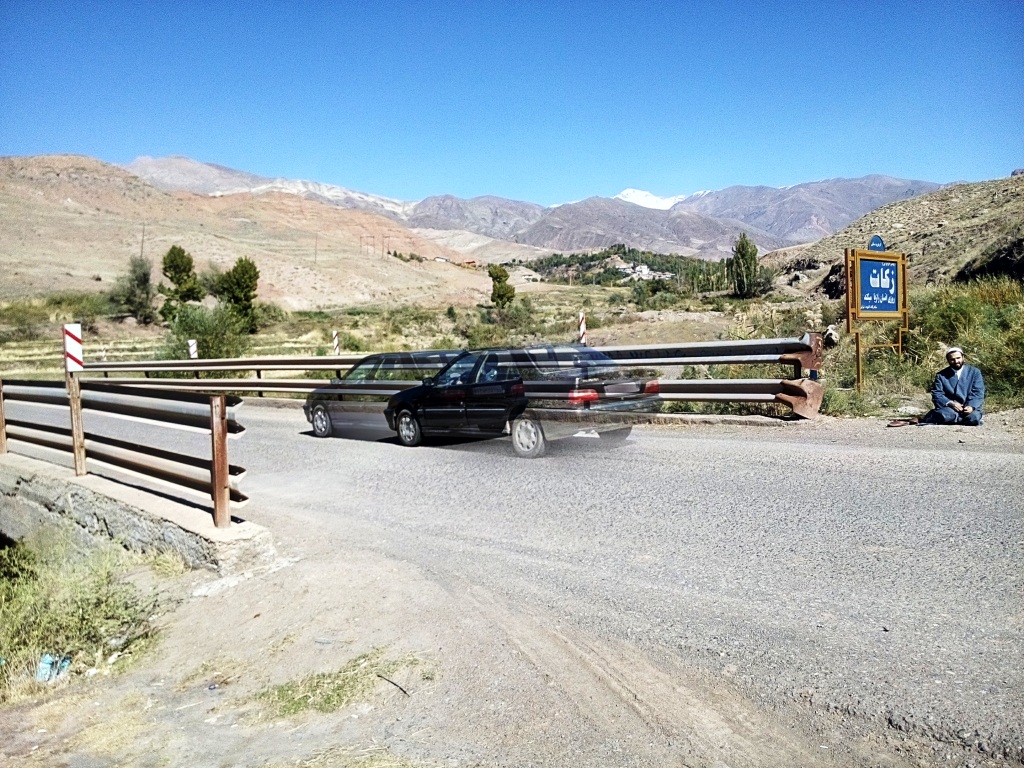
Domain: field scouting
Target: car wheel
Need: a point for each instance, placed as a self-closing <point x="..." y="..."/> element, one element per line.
<point x="616" y="436"/>
<point x="321" y="420"/>
<point x="409" y="432"/>
<point x="528" y="439"/>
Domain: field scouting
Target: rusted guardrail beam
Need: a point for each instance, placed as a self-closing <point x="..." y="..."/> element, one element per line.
<point x="279" y="363"/>
<point x="804" y="353"/>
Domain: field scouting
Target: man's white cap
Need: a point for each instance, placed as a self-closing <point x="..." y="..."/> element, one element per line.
<point x="951" y="350"/>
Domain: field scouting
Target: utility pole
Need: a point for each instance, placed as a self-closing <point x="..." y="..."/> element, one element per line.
<point x="316" y="246"/>
<point x="142" y="245"/>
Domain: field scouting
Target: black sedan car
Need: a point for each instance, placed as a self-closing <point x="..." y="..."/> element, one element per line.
<point x="476" y="394"/>
<point x="541" y="392"/>
<point x="353" y="406"/>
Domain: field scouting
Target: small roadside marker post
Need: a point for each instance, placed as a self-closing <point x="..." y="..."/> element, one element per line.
<point x="582" y="337"/>
<point x="193" y="353"/>
<point x="337" y="347"/>
<point x="72" y="365"/>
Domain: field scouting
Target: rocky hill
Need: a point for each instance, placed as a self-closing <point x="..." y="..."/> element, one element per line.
<point x="805" y="212"/>
<point x="599" y="222"/>
<point x="941" y="232"/>
<point x="72" y="223"/>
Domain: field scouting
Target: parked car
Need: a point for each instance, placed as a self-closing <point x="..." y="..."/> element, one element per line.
<point x="358" y="410"/>
<point x="474" y="394"/>
<point x="541" y="392"/>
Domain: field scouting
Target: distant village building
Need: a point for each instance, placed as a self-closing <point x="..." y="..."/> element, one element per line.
<point x="643" y="272"/>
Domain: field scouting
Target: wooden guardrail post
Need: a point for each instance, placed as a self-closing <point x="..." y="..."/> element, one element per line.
<point x="77" y="429"/>
<point x="219" y="479"/>
<point x="3" y="421"/>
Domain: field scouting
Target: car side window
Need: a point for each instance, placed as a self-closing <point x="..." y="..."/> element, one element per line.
<point x="362" y="372"/>
<point x="398" y="370"/>
<point x="459" y="372"/>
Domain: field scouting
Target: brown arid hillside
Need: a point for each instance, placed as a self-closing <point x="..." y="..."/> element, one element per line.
<point x="940" y="232"/>
<point x="72" y="223"/>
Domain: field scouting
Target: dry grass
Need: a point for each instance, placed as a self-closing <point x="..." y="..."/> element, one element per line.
<point x="330" y="691"/>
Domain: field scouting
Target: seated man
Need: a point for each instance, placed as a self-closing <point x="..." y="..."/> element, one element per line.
<point x="958" y="393"/>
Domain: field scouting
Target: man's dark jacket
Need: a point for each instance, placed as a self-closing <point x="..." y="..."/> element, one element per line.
<point x="969" y="389"/>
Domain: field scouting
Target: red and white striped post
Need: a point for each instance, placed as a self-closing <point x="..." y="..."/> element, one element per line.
<point x="73" y="348"/>
<point x="73" y="363"/>
<point x="582" y="337"/>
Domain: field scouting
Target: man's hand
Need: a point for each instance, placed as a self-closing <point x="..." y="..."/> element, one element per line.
<point x="967" y="409"/>
<point x="955" y="406"/>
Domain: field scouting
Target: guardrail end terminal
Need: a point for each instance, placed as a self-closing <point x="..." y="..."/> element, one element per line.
<point x="803" y="396"/>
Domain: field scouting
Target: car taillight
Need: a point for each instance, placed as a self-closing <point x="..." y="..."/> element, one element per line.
<point x="518" y="389"/>
<point x="652" y="387"/>
<point x="577" y="396"/>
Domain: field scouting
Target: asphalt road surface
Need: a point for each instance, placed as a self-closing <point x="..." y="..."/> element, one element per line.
<point x="869" y="572"/>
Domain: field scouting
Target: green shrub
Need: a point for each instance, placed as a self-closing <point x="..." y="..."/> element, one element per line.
<point x="53" y="601"/>
<point x="218" y="333"/>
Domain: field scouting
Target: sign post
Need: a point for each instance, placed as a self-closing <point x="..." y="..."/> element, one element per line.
<point x="876" y="290"/>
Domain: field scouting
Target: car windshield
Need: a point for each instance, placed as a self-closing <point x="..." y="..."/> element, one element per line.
<point x="458" y="371"/>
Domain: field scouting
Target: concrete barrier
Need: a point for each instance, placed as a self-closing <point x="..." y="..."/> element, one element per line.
<point x="35" y="493"/>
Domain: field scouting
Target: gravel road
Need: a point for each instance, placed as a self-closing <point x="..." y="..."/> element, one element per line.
<point x="833" y="568"/>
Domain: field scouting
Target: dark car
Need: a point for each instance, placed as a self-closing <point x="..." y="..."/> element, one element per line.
<point x="354" y="404"/>
<point x="574" y="388"/>
<point x="542" y="392"/>
<point x="476" y="394"/>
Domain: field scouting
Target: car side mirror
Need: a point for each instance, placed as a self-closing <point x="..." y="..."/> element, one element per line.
<point x="429" y="381"/>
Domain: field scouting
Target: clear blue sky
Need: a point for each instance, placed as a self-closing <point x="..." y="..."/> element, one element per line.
<point x="542" y="101"/>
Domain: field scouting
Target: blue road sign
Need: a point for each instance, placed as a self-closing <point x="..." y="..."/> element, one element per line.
<point x="879" y="291"/>
<point x="876" y="244"/>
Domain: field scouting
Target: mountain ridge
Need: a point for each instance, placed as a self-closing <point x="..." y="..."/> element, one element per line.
<point x="771" y="217"/>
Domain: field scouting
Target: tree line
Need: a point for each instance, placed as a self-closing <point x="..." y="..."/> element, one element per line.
<point x="219" y="331"/>
<point x="741" y="273"/>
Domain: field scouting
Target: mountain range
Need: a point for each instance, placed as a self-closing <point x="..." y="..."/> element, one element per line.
<point x="72" y="223"/>
<point x="705" y="224"/>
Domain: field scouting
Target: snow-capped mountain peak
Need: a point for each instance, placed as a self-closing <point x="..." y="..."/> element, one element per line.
<point x="647" y="200"/>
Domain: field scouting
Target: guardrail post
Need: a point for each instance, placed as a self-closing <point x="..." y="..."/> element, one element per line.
<point x="259" y="377"/>
<point x="3" y="421"/>
<point x="219" y="467"/>
<point x="77" y="430"/>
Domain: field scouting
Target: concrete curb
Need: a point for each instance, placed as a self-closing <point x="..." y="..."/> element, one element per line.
<point x="34" y="494"/>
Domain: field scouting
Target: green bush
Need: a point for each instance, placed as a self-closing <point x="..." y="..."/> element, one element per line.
<point x="54" y="601"/>
<point x="134" y="291"/>
<point x="218" y="333"/>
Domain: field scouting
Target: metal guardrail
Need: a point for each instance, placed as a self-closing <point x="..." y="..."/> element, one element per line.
<point x="801" y="353"/>
<point x="802" y="396"/>
<point x="259" y="364"/>
<point x="215" y="415"/>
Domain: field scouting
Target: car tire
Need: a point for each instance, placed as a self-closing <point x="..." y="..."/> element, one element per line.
<point x="408" y="428"/>
<point x="528" y="439"/>
<point x="616" y="436"/>
<point x="321" y="421"/>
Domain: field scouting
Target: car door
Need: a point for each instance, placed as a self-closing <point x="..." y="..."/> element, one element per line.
<point x="489" y="397"/>
<point x="348" y="411"/>
<point x="443" y="407"/>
